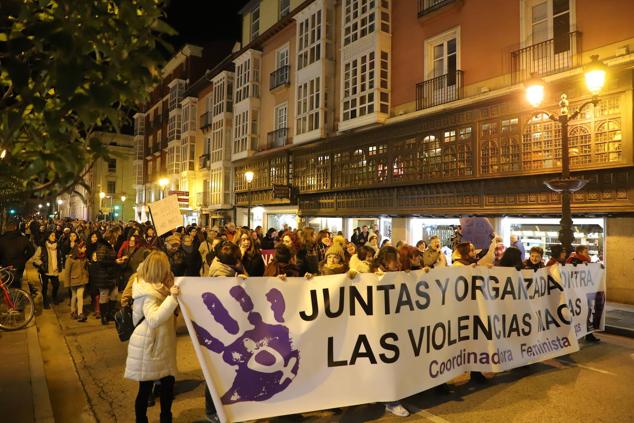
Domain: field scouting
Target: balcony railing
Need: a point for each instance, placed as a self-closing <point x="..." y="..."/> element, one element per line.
<point x="280" y="77"/>
<point x="277" y="138"/>
<point x="440" y="90"/>
<point x="203" y="161"/>
<point x="425" y="7"/>
<point x="545" y="58"/>
<point x="205" y="120"/>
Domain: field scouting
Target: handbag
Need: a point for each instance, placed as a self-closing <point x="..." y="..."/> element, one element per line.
<point x="124" y="323"/>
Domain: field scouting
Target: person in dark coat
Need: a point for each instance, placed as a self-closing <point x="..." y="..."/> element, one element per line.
<point x="48" y="260"/>
<point x="191" y="257"/>
<point x="176" y="255"/>
<point x="268" y="242"/>
<point x="534" y="260"/>
<point x="103" y="272"/>
<point x="283" y="263"/>
<point x="130" y="255"/>
<point x="252" y="260"/>
<point x="15" y="250"/>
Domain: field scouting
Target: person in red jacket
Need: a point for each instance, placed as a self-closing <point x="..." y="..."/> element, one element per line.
<point x="579" y="256"/>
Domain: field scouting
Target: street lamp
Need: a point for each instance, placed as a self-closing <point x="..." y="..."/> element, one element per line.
<point x="59" y="205"/>
<point x="248" y="175"/>
<point x="123" y="198"/>
<point x="163" y="183"/>
<point x="595" y="80"/>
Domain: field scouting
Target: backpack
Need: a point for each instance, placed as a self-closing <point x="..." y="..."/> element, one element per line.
<point x="124" y="324"/>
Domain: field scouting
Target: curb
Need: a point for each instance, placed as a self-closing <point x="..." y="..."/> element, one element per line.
<point x="42" y="408"/>
<point x="619" y="330"/>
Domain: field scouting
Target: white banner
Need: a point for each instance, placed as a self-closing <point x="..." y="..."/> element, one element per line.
<point x="585" y="287"/>
<point x="269" y="347"/>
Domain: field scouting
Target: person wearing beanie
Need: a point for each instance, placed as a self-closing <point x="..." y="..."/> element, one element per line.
<point x="334" y="262"/>
<point x="283" y="263"/>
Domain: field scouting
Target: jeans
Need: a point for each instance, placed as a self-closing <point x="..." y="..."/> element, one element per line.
<point x="54" y="281"/>
<point x="77" y="300"/>
<point x="108" y="294"/>
<point x="167" y="395"/>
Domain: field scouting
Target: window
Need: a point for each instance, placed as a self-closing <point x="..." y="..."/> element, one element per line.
<point x="432" y="157"/>
<point x="255" y="22"/>
<point x="218" y="97"/>
<point x="442" y="62"/>
<point x="546" y="20"/>
<point x="541" y="144"/>
<point x="176" y="95"/>
<point x="247" y="78"/>
<point x="281" y="57"/>
<point x="217" y="141"/>
<point x="240" y="132"/>
<point x="359" y="87"/>
<point x="112" y="165"/>
<point x="189" y="117"/>
<point x="359" y="19"/>
<point x="174" y="127"/>
<point x="112" y="187"/>
<point x="309" y="40"/>
<point x="308" y="104"/>
<point x="281" y="116"/>
<point x="188" y="153"/>
<point x="284" y="7"/>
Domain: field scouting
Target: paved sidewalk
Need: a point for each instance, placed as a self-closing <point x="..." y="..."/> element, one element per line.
<point x="619" y="319"/>
<point x="23" y="386"/>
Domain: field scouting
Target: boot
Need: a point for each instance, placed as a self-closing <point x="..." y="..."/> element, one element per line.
<point x="95" y="304"/>
<point x="104" y="313"/>
<point x="166" y="417"/>
<point x="81" y="318"/>
<point x="112" y="309"/>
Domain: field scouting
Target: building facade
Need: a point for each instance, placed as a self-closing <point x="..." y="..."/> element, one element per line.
<point x="411" y="114"/>
<point x="407" y="115"/>
<point x="114" y="178"/>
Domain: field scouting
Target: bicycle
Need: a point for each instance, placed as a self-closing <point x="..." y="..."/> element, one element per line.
<point x="16" y="305"/>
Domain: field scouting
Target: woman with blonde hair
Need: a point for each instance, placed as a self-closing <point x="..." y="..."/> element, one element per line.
<point x="152" y="347"/>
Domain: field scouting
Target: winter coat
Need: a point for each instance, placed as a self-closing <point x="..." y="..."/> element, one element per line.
<point x="103" y="272"/>
<point x="308" y="260"/>
<point x="360" y="266"/>
<point x="220" y="269"/>
<point x="152" y="346"/>
<point x="268" y="243"/>
<point x="338" y="269"/>
<point x="275" y="269"/>
<point x="203" y="250"/>
<point x="575" y="258"/>
<point x="15" y="250"/>
<point x="75" y="272"/>
<point x="192" y="261"/>
<point x="135" y="257"/>
<point x="530" y="265"/>
<point x="177" y="261"/>
<point x="253" y="264"/>
<point x="43" y="256"/>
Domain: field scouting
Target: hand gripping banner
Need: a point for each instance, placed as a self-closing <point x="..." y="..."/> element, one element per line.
<point x="269" y="347"/>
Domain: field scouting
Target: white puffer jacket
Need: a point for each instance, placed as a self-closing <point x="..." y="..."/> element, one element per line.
<point x="152" y="346"/>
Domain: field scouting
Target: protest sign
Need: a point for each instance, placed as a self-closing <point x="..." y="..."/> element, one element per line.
<point x="166" y="214"/>
<point x="477" y="230"/>
<point x="269" y="347"/>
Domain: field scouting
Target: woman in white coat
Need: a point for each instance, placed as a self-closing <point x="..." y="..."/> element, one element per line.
<point x="152" y="347"/>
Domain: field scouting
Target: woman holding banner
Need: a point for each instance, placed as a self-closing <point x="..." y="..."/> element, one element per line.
<point x="152" y="347"/>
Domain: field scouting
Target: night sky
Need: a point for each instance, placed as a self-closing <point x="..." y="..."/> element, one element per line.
<point x="202" y="21"/>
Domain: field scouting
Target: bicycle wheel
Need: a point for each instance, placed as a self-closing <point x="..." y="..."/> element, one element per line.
<point x="16" y="313"/>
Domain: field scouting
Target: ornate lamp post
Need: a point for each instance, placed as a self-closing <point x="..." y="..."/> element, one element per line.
<point x="595" y="80"/>
<point x="248" y="175"/>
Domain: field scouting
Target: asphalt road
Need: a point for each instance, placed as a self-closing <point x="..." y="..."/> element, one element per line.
<point x="592" y="385"/>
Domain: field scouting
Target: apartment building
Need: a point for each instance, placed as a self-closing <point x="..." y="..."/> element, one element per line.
<point x="411" y="114"/>
<point x="167" y="133"/>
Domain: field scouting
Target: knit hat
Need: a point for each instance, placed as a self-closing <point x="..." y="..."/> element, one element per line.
<point x="173" y="241"/>
<point x="339" y="239"/>
<point x="337" y="250"/>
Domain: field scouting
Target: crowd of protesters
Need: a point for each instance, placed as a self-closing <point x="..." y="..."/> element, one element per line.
<point x="116" y="264"/>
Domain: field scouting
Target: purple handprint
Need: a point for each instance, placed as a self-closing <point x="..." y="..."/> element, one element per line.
<point x="265" y="358"/>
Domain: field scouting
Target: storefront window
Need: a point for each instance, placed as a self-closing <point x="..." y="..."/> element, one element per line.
<point x="333" y="224"/>
<point x="544" y="233"/>
<point x="278" y="221"/>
